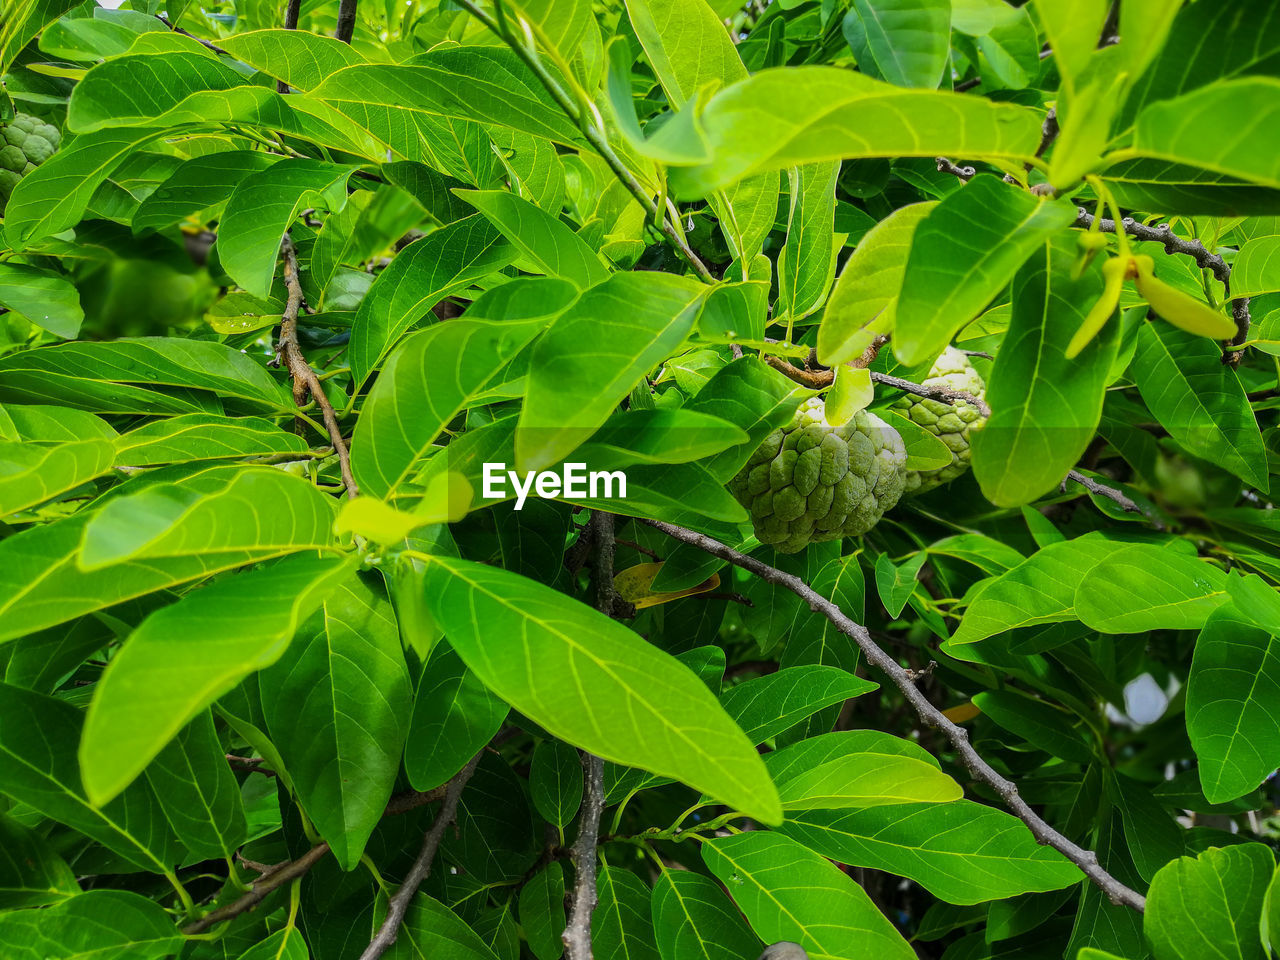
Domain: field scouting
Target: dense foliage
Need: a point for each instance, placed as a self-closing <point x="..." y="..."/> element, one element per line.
<point x="937" y="343"/>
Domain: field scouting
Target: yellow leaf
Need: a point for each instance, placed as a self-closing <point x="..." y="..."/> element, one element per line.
<point x="1194" y="316"/>
<point x="634" y="585"/>
<point x="962" y="713"/>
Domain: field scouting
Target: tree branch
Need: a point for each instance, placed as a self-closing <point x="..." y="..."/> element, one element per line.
<point x="1114" y="495"/>
<point x="596" y="136"/>
<point x="399" y="905"/>
<point x="821" y="379"/>
<point x="346" y="20"/>
<point x="1172" y="243"/>
<point x="305" y="380"/>
<point x="1086" y="860"/>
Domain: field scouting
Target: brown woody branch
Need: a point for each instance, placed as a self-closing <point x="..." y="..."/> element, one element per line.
<point x="305" y="381"/>
<point x="1086" y="860"/>
<point x="821" y="379"/>
<point x="346" y="20"/>
<point x="399" y="905"/>
<point x="1114" y="495"/>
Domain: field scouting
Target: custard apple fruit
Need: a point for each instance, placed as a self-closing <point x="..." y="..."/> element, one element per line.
<point x="25" y="143"/>
<point x="950" y="423"/>
<point x="810" y="481"/>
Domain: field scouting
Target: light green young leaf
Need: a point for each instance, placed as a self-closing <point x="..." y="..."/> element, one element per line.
<point x="694" y="920"/>
<point x="299" y="58"/>
<point x="1256" y="268"/>
<point x="767" y="705"/>
<point x="186" y="655"/>
<point x="47" y="423"/>
<point x="864" y="300"/>
<point x="594" y="354"/>
<point x="1045" y="408"/>
<point x="444" y="262"/>
<point x="32" y="473"/>
<point x="132" y="89"/>
<point x="807" y="261"/>
<point x="688" y="46"/>
<point x="790" y="893"/>
<point x="924" y="450"/>
<point x="1232" y="695"/>
<point x="337" y="706"/>
<point x="1199" y="400"/>
<point x="905" y="42"/>
<point x="962" y="852"/>
<point x="198" y="436"/>
<point x="619" y="697"/>
<point x="866" y="779"/>
<point x="542" y="239"/>
<point x="41" y="771"/>
<point x="198" y="792"/>
<point x="97" y="924"/>
<point x="1146" y="587"/>
<point x="963" y="254"/>
<point x="46" y="298"/>
<point x="1210" y="907"/>
<point x="826" y="113"/>
<point x="261" y="209"/>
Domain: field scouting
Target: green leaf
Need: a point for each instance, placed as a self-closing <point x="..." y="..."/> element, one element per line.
<point x="1218" y="128"/>
<point x="897" y="582"/>
<point x="1039" y="590"/>
<point x="688" y="46"/>
<point x="25" y="23"/>
<point x="1199" y="400"/>
<point x="257" y="509"/>
<point x="337" y="706"/>
<point x="198" y="793"/>
<point x="1232" y="692"/>
<point x="131" y="89"/>
<point x="1256" y="268"/>
<point x="41" y="771"/>
<point x="924" y="450"/>
<point x="1040" y="724"/>
<point x="1271" y="914"/>
<point x="961" y="852"/>
<point x="542" y="240"/>
<point x="299" y="58"/>
<point x="32" y="473"/>
<point x="31" y="872"/>
<point x="751" y="395"/>
<point x="1147" y="587"/>
<point x="902" y="41"/>
<point x="198" y="436"/>
<point x="827" y="113"/>
<point x="87" y="375"/>
<point x="46" y="298"/>
<point x="1045" y="408"/>
<point x="286" y="943"/>
<point x="55" y="195"/>
<point x="555" y="782"/>
<point x="261" y="209"/>
<point x="622" y="925"/>
<point x="864" y="300"/>
<point x="444" y="262"/>
<point x="98" y="924"/>
<point x="200" y="183"/>
<point x="694" y="920"/>
<point x="424" y="384"/>
<point x="433" y="930"/>
<point x="1210" y="906"/>
<point x="186" y="655"/>
<point x="619" y="698"/>
<point x="52" y="424"/>
<point x="790" y="893"/>
<point x="768" y="705"/>
<point x="807" y="263"/>
<point x="963" y="254"/>
<point x="866" y="779"/>
<point x="542" y="911"/>
<point x="594" y="354"/>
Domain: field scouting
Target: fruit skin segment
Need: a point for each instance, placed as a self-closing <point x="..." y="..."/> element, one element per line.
<point x="810" y="481"/>
<point x="952" y="423"/>
<point x="25" y="143"/>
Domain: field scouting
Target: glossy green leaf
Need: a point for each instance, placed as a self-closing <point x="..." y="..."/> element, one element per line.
<point x="444" y="262"/>
<point x="1147" y="587"/>
<point x="1210" y="906"/>
<point x="542" y="912"/>
<point x="543" y="241"/>
<point x="1035" y="721"/>
<point x="790" y="893"/>
<point x="824" y="113"/>
<point x="962" y="852"/>
<point x="687" y="45"/>
<point x="901" y="41"/>
<point x="33" y="473"/>
<point x="807" y="261"/>
<point x="694" y="920"/>
<point x="767" y="705"/>
<point x="285" y="944"/>
<point x="897" y="582"/>
<point x="866" y="779"/>
<point x="431" y="929"/>
<point x="622" y="925"/>
<point x="337" y="706"/>
<point x="300" y="59"/>
<point x="198" y="184"/>
<point x="186" y="655"/>
<point x="963" y="254"/>
<point x="42" y="772"/>
<point x="98" y="924"/>
<point x="46" y="298"/>
<point x="1232" y="693"/>
<point x="1045" y="408"/>
<point x="751" y="395"/>
<point x="31" y="872"/>
<point x="555" y="782"/>
<point x="594" y="354"/>
<point x="628" y="702"/>
<point x="198" y="436"/>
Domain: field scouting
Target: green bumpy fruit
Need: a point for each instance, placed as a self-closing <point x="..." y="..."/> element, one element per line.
<point x="25" y="143"/>
<point x="952" y="423"/>
<point x="810" y="481"/>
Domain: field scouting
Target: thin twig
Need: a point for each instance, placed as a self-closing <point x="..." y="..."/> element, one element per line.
<point x="1172" y="243"/>
<point x="1114" y="495"/>
<point x="1048" y="133"/>
<point x="200" y="40"/>
<point x="305" y="380"/>
<point x="265" y="885"/>
<point x="821" y="379"/>
<point x="1086" y="860"/>
<point x="638" y="548"/>
<point x="946" y="166"/>
<point x="596" y="136"/>
<point x="346" y="20"/>
<point x="399" y="905"/>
